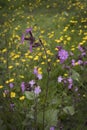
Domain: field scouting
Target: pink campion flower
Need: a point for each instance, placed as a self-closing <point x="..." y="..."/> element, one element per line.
<point x="73" y="62"/>
<point x="30" y="39"/>
<point x="70" y="86"/>
<point x="64" y="80"/>
<point x="11" y="85"/>
<point x="28" y="30"/>
<point x="32" y="82"/>
<point x="85" y="63"/>
<point x="52" y="128"/>
<point x="71" y="54"/>
<point x="39" y="76"/>
<point x="30" y="47"/>
<point x="80" y="62"/>
<point x="80" y="48"/>
<point x="22" y="38"/>
<point x="60" y="79"/>
<point x="83" y="54"/>
<point x="70" y="80"/>
<point x="59" y="47"/>
<point x="12" y="105"/>
<point x="23" y="86"/>
<point x="37" y="90"/>
<point x="6" y="92"/>
<point x="35" y="71"/>
<point x="76" y="89"/>
<point x="62" y="55"/>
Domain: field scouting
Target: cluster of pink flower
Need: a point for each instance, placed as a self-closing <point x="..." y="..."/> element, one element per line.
<point x="32" y="85"/>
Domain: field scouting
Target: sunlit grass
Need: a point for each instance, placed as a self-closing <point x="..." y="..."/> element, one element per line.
<point x="55" y="23"/>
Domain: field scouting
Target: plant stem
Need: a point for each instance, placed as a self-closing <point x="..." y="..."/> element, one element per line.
<point x="47" y="84"/>
<point x="45" y="101"/>
<point x="35" y="114"/>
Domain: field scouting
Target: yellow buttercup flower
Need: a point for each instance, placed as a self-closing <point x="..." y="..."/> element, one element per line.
<point x="10" y="67"/>
<point x="30" y="57"/>
<point x="4" y="95"/>
<point x="36" y="58"/>
<point x="49" y="60"/>
<point x="84" y="95"/>
<point x="68" y="38"/>
<point x="4" y="50"/>
<point x="7" y="81"/>
<point x="48" y="52"/>
<point x="17" y="64"/>
<point x="12" y="94"/>
<point x="40" y="70"/>
<point x="38" y="49"/>
<point x="42" y="31"/>
<point x="72" y="31"/>
<point x="22" y="98"/>
<point x="51" y="35"/>
<point x="65" y="29"/>
<point x="80" y="43"/>
<point x="40" y="54"/>
<point x="11" y="80"/>
<point x="21" y="76"/>
<point x="16" y="56"/>
<point x="57" y="40"/>
<point x="4" y="61"/>
<point x="44" y="57"/>
<point x="72" y="48"/>
<point x="76" y="64"/>
<point x="48" y="6"/>
<point x="56" y="49"/>
<point x="65" y="74"/>
<point x="1" y="86"/>
<point x="42" y="63"/>
<point x="85" y="38"/>
<point x="23" y="60"/>
<point x="57" y="60"/>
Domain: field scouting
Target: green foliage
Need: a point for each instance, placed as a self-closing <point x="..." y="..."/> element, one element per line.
<point x="69" y="110"/>
<point x="2" y="126"/>
<point x="75" y="75"/>
<point x="56" y="23"/>
<point x="30" y="95"/>
<point x="51" y="118"/>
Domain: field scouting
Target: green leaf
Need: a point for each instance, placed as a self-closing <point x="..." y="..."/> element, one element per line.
<point x="2" y="126"/>
<point x="29" y="95"/>
<point x="50" y="117"/>
<point x="69" y="110"/>
<point x="75" y="75"/>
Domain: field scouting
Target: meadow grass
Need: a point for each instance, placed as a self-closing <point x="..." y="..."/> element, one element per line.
<point x="56" y="23"/>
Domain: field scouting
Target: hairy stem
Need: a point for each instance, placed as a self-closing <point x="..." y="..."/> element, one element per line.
<point x="35" y="113"/>
<point x="47" y="84"/>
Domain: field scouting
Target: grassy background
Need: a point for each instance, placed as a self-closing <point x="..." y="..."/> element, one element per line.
<point x="56" y="23"/>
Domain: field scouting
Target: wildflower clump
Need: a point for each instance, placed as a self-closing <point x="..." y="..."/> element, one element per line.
<point x="62" y="54"/>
